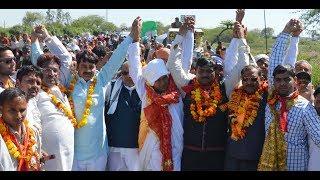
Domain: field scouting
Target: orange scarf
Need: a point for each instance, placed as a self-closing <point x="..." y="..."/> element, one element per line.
<point x="160" y="121"/>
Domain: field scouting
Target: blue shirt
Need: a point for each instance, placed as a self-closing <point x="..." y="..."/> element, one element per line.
<point x="91" y="140"/>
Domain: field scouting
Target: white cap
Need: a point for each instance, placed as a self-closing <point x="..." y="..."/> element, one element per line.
<point x="260" y="56"/>
<point x="154" y="70"/>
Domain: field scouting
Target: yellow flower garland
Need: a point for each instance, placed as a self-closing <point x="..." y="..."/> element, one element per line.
<point x="68" y="112"/>
<point x="86" y="111"/>
<point x="30" y="150"/>
<point x="210" y="101"/>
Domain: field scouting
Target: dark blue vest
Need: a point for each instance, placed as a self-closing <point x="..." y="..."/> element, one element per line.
<point x="250" y="147"/>
<point x="123" y="124"/>
<point x="209" y="135"/>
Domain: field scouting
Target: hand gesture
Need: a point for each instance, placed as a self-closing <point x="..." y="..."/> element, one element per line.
<point x="297" y="28"/>
<point x="42" y="31"/>
<point x="239" y="30"/>
<point x="136" y="29"/>
<point x="290" y="26"/>
<point x="239" y="15"/>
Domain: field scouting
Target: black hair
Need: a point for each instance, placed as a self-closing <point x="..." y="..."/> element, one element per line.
<point x="11" y="93"/>
<point x="250" y="67"/>
<point x="201" y="62"/>
<point x="4" y="48"/>
<point x="47" y="58"/>
<point x="100" y="51"/>
<point x="280" y="69"/>
<point x="87" y="56"/>
<point x="27" y="70"/>
<point x="317" y="91"/>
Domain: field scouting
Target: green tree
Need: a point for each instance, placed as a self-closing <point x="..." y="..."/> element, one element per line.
<point x="93" y="23"/>
<point x="267" y="32"/>
<point x="50" y="16"/>
<point x="32" y="18"/>
<point x="162" y="28"/>
<point x="311" y="17"/>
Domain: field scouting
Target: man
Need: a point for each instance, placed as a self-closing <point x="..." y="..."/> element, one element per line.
<point x="303" y="65"/>
<point x="87" y="95"/>
<point x="7" y="68"/>
<point x="246" y="106"/>
<point x="160" y="135"/>
<point x="176" y="23"/>
<point x="290" y="119"/>
<point x="29" y="81"/>
<point x="263" y="63"/>
<point x="19" y="142"/>
<point x="314" y="150"/>
<point x="122" y="122"/>
<point x="25" y="58"/>
<point x="305" y="86"/>
<point x="205" y="126"/>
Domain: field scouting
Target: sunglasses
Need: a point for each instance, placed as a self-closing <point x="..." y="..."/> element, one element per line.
<point x="8" y="60"/>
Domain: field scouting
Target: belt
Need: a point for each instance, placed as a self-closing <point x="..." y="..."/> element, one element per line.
<point x="195" y="148"/>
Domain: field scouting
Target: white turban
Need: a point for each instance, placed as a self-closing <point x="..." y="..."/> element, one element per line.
<point x="260" y="56"/>
<point x="154" y="70"/>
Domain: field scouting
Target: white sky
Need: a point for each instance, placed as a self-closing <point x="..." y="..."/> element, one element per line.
<point x="205" y="18"/>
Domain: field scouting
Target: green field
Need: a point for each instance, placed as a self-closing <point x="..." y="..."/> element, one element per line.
<point x="308" y="50"/>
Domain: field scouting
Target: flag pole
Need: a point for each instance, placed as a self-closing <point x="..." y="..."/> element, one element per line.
<point x="265" y="30"/>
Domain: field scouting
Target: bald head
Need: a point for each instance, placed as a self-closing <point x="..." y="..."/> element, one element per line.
<point x="303" y="65"/>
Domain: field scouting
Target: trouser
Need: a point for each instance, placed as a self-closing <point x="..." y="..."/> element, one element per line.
<point x="96" y="164"/>
<point x="234" y="164"/>
<point x="202" y="161"/>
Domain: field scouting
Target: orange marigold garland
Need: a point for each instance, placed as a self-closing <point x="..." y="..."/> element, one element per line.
<point x="26" y="153"/>
<point x="243" y="110"/>
<point x="204" y="103"/>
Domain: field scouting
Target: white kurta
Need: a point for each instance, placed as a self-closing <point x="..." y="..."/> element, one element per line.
<point x="57" y="132"/>
<point x="314" y="156"/>
<point x="150" y="155"/>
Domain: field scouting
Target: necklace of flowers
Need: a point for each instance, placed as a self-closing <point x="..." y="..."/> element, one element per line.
<point x="67" y="111"/>
<point x="86" y="111"/>
<point x="204" y="103"/>
<point x="273" y="98"/>
<point x="243" y="110"/>
<point x="25" y="152"/>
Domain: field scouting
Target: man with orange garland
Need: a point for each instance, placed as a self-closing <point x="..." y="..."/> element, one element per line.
<point x="246" y="106"/>
<point x="19" y="141"/>
<point x="204" y="123"/>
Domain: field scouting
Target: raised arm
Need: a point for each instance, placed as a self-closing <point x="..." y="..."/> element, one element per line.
<point x="35" y="49"/>
<point x="116" y="60"/>
<point x="56" y="48"/>
<point x="238" y="60"/>
<point x="178" y="64"/>
<point x="278" y="51"/>
<point x="292" y="52"/>
<point x="187" y="51"/>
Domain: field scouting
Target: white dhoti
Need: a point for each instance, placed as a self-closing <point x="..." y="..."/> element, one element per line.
<point x="314" y="159"/>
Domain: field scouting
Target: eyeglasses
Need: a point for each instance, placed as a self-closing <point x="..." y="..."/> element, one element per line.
<point x="124" y="73"/>
<point x="7" y="60"/>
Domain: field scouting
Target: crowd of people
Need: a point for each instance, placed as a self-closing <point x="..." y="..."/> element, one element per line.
<point x="115" y="103"/>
